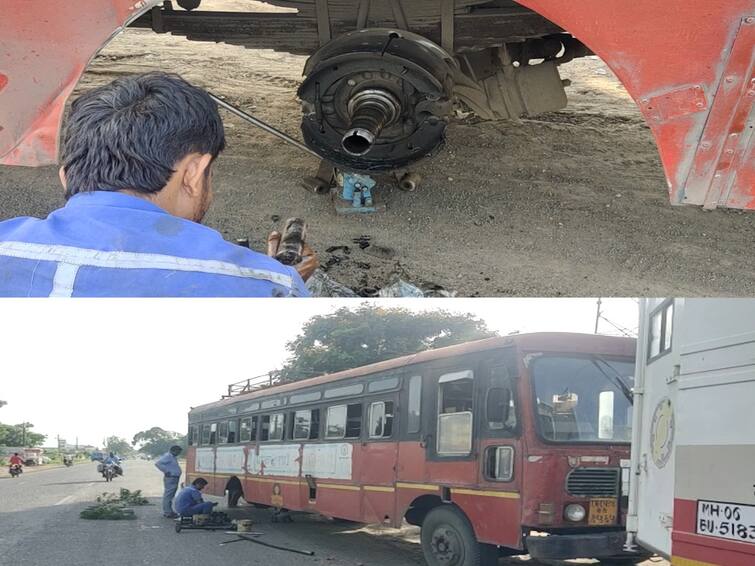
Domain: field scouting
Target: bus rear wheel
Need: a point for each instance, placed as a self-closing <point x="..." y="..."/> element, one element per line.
<point x="449" y="540"/>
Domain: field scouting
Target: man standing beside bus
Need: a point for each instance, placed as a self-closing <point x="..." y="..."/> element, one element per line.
<point x="168" y="465"/>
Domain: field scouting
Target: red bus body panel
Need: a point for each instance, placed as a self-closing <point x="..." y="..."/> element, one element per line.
<point x="690" y="66"/>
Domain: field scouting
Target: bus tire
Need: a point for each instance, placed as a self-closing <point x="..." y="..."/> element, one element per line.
<point x="448" y="539"/>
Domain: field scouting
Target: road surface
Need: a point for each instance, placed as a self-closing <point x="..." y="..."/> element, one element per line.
<point x="40" y="526"/>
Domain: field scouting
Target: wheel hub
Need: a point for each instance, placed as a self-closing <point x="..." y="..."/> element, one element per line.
<point x="446" y="546"/>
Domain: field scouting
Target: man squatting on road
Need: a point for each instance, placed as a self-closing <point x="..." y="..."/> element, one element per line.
<point x="168" y="465"/>
<point x="137" y="171"/>
<point x="189" y="501"/>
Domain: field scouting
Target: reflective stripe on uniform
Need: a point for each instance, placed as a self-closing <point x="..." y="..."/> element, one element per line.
<point x="70" y="258"/>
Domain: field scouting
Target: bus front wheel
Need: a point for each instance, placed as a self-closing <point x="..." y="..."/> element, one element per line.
<point x="449" y="540"/>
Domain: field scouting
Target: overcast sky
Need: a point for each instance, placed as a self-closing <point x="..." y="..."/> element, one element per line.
<point x="97" y="368"/>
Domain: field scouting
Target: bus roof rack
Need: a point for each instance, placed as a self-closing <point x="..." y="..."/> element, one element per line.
<point x="249" y="385"/>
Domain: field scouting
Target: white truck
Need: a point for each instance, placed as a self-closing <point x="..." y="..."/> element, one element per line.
<point x="692" y="494"/>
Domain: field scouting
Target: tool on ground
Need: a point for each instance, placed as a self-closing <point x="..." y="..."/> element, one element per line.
<point x="216" y="521"/>
<point x="248" y="537"/>
<point x="355" y="194"/>
<point x="261" y="125"/>
<point x="292" y="242"/>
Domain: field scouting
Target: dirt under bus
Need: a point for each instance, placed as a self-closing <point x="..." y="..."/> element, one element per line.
<point x="495" y="447"/>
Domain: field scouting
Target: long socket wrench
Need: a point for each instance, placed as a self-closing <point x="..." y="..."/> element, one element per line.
<point x="262" y="125"/>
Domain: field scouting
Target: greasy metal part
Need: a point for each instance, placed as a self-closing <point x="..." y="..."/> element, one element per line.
<point x="377" y="99"/>
<point x="409" y="181"/>
<point x="292" y="242"/>
<point x="262" y="125"/>
<point x="371" y="110"/>
<point x="321" y="182"/>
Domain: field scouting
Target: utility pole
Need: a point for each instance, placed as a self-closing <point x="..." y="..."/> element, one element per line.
<point x="23" y="434"/>
<point x="597" y="315"/>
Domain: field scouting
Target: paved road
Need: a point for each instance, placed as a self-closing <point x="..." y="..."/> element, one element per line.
<point x="40" y="526"/>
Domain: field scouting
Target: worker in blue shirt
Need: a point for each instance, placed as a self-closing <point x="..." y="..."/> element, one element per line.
<point x="136" y="167"/>
<point x="168" y="465"/>
<point x="189" y="501"/>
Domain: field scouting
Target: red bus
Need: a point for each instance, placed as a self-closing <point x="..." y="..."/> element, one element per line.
<point x="506" y="445"/>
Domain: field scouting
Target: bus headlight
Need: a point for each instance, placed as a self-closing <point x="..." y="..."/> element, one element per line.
<point x="574" y="512"/>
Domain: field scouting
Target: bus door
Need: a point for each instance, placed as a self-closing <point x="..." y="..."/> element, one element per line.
<point x="449" y="443"/>
<point x="378" y="461"/>
<point x="498" y="502"/>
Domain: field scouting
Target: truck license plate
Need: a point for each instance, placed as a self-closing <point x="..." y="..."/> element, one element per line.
<point x="602" y="511"/>
<point x="734" y="521"/>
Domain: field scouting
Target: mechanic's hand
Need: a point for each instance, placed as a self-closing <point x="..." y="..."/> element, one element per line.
<point x="306" y="267"/>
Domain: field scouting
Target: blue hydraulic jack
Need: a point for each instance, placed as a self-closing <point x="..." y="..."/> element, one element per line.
<point x="353" y="194"/>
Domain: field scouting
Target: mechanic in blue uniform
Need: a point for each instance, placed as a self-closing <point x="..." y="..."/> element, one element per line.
<point x="136" y="167"/>
<point x="189" y="500"/>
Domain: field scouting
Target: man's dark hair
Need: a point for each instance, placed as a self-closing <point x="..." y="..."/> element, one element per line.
<point x="175" y="448"/>
<point x="129" y="134"/>
<point x="199" y="482"/>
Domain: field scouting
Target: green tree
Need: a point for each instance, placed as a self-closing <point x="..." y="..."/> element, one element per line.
<point x="119" y="446"/>
<point x="350" y="338"/>
<point x="157" y="441"/>
<point x="20" y="435"/>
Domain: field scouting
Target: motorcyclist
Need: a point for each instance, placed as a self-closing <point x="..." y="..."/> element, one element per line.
<point x="114" y="461"/>
<point x="68" y="460"/>
<point x="17" y="461"/>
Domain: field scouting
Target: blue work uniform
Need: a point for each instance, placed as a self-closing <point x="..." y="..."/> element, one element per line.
<point x="189" y="502"/>
<point x="111" y="244"/>
<point x="168" y="465"/>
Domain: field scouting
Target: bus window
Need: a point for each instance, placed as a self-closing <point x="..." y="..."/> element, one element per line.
<point x="223" y="432"/>
<point x="455" y="401"/>
<point x="205" y="434"/>
<point x="381" y="419"/>
<point x="302" y="425"/>
<point x="255" y="426"/>
<point x="335" y="424"/>
<point x="192" y="440"/>
<point x="415" y="403"/>
<point x="214" y="433"/>
<point x="276" y="426"/>
<point x="500" y="411"/>
<point x="245" y="430"/>
<point x="232" y="436"/>
<point x="306" y="425"/>
<point x="344" y="421"/>
<point x="354" y="420"/>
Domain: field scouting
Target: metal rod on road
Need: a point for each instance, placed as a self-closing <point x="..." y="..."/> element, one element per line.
<point x="294" y="550"/>
<point x="262" y="125"/>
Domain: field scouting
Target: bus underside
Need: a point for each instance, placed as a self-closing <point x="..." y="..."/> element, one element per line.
<point x="383" y="77"/>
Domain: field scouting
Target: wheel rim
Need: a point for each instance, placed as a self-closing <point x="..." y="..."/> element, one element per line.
<point x="446" y="546"/>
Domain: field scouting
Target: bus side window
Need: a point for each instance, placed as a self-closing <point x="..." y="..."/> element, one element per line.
<point x="500" y="409"/>
<point x="344" y="421"/>
<point x="223" y="432"/>
<point x="255" y="426"/>
<point x="455" y="402"/>
<point x="414" y="405"/>
<point x="265" y="428"/>
<point x="245" y="430"/>
<point x="335" y="422"/>
<point x="314" y="429"/>
<point x="205" y="434"/>
<point x="232" y="434"/>
<point x="381" y="419"/>
<point x="302" y="425"/>
<point x="276" y="426"/>
<point x="354" y="420"/>
<point x="214" y="433"/>
<point x="192" y="440"/>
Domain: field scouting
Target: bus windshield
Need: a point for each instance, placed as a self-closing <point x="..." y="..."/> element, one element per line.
<point x="583" y="399"/>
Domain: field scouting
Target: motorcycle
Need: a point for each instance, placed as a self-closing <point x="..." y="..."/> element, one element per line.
<point x="108" y="472"/>
<point x="16" y="470"/>
<point x="68" y="462"/>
